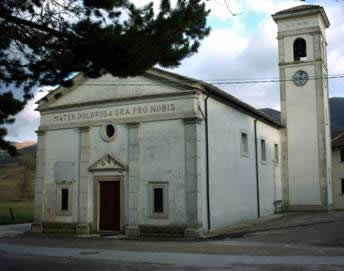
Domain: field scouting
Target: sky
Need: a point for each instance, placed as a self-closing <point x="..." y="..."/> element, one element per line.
<point x="239" y="47"/>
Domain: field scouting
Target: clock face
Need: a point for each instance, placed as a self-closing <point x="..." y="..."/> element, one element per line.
<point x="300" y="78"/>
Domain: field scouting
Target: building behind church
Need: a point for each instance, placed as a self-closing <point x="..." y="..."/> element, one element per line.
<point x="165" y="153"/>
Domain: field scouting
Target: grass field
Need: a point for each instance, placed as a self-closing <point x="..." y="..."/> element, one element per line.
<point x="22" y="211"/>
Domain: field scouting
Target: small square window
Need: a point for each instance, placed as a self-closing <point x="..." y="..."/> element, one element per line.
<point x="342" y="188"/>
<point x="159" y="200"/>
<point x="244" y="144"/>
<point x="276" y="154"/>
<point x="342" y="155"/>
<point x="263" y="150"/>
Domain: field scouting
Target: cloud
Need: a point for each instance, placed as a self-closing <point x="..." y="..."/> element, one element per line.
<point x="27" y="122"/>
<point x="239" y="47"/>
<point x="239" y="53"/>
<point x="247" y="51"/>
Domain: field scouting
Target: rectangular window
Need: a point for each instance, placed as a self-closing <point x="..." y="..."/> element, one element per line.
<point x="342" y="155"/>
<point x="64" y="200"/>
<point x="263" y="149"/>
<point x="276" y="154"/>
<point x="244" y="144"/>
<point x="158" y="199"/>
<point x="342" y="186"/>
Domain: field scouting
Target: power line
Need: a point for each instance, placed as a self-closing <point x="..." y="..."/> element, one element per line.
<point x="218" y="82"/>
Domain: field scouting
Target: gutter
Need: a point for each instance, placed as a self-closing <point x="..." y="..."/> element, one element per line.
<point x="257" y="166"/>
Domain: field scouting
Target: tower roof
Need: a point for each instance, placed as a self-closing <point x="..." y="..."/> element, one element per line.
<point x="298" y="9"/>
<point x="301" y="10"/>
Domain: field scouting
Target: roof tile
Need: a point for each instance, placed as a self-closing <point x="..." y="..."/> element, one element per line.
<point x="298" y="9"/>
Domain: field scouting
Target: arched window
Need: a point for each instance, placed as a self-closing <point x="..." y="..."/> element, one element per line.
<point x="300" y="49"/>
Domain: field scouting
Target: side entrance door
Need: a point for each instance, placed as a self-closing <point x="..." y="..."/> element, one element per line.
<point x="110" y="206"/>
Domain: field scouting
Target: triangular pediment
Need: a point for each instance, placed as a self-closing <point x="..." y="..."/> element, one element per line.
<point x="108" y="163"/>
<point x="107" y="88"/>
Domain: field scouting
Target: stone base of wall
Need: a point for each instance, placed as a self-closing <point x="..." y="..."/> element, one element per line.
<point x="307" y="208"/>
<point x="170" y="231"/>
<point x="194" y="233"/>
<point x="279" y="207"/>
<point x="83" y="229"/>
<point x="36" y="227"/>
<point x="151" y="231"/>
<point x="132" y="231"/>
<point x="50" y="227"/>
<point x="331" y="207"/>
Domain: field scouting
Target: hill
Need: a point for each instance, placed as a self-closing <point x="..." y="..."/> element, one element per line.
<point x="274" y="114"/>
<point x="26" y="147"/>
<point x="336" y="114"/>
<point x="17" y="174"/>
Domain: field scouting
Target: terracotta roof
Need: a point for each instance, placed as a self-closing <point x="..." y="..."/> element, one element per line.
<point x="338" y="141"/>
<point x="298" y="9"/>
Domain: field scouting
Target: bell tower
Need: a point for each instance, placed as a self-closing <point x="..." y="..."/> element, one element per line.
<point x="306" y="142"/>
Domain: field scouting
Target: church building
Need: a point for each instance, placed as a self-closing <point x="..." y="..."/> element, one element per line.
<point x="164" y="153"/>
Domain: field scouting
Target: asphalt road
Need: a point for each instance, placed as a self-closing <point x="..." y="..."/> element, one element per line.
<point x="14" y="262"/>
<point x="316" y="246"/>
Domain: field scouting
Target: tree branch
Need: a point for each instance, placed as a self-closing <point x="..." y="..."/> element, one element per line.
<point x="36" y="26"/>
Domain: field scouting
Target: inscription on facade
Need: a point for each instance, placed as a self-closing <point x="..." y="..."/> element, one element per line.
<point x="178" y="108"/>
<point x="109" y="113"/>
<point x="119" y="112"/>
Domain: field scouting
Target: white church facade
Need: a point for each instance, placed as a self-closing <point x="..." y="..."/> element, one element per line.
<point x="165" y="153"/>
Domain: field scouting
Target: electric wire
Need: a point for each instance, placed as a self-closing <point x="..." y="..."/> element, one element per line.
<point x="217" y="82"/>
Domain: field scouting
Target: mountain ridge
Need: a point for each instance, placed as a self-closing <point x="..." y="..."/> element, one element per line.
<point x="336" y="105"/>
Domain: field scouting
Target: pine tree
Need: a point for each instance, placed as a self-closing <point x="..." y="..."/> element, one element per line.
<point x="42" y="42"/>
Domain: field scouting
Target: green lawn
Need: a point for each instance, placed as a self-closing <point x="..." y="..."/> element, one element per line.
<point x="22" y="211"/>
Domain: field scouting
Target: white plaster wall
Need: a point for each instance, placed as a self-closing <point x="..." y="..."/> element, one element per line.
<point x="163" y="160"/>
<point x="270" y="186"/>
<point x="300" y="23"/>
<point x="201" y="185"/>
<point x="337" y="176"/>
<point x="327" y="141"/>
<point x="61" y="146"/>
<point x="118" y="147"/>
<point x="303" y="167"/>
<point x="233" y="190"/>
<point x="109" y="87"/>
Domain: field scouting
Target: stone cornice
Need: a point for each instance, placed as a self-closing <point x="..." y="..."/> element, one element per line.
<point x="108" y="163"/>
<point x="306" y="30"/>
<point x="297" y="63"/>
<point x="300" y="13"/>
<point x="128" y="121"/>
<point x="119" y="100"/>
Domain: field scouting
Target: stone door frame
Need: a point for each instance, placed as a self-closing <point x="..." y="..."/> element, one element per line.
<point x="96" y="189"/>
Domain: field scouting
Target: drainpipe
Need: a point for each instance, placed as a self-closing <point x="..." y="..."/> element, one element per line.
<point x="257" y="166"/>
<point x="207" y="159"/>
<point x="78" y="178"/>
